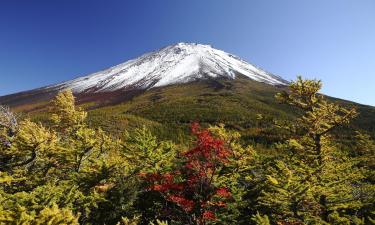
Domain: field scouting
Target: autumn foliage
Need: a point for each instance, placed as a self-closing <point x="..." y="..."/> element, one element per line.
<point x="65" y="171"/>
<point x="191" y="189"/>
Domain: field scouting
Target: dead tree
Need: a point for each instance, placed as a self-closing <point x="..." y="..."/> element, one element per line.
<point x="8" y="128"/>
<point x="9" y="124"/>
<point x="8" y="120"/>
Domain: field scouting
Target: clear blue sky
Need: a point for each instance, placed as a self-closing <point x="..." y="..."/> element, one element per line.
<point x="44" y="42"/>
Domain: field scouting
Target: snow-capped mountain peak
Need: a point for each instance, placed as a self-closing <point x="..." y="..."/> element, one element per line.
<point x="179" y="63"/>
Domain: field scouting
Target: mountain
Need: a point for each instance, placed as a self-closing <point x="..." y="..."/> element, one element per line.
<point x="175" y="64"/>
<point x="167" y="89"/>
<point x="180" y="63"/>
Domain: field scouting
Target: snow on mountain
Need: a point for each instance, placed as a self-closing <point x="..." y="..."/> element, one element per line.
<point x="180" y="63"/>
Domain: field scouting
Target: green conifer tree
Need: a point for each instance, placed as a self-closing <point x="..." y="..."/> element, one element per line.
<point x="312" y="181"/>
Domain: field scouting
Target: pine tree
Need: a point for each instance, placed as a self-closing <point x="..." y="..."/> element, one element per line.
<point x="364" y="151"/>
<point x="66" y="115"/>
<point x="312" y="181"/>
<point x="260" y="219"/>
<point x="136" y="220"/>
<point x="41" y="168"/>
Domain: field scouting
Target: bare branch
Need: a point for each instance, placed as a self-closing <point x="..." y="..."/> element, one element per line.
<point x="8" y="119"/>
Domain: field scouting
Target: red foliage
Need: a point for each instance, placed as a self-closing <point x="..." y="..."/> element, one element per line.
<point x="186" y="204"/>
<point x="208" y="148"/>
<point x="209" y="215"/>
<point x="191" y="186"/>
<point x="223" y="192"/>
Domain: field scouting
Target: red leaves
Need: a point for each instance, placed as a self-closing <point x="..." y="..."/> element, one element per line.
<point x="223" y="192"/>
<point x="191" y="186"/>
<point x="209" y="215"/>
<point x="208" y="148"/>
<point x="186" y="204"/>
<point x="164" y="182"/>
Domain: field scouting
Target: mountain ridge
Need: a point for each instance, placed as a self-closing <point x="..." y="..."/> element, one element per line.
<point x="179" y="63"/>
<point x="173" y="64"/>
<point x="212" y="93"/>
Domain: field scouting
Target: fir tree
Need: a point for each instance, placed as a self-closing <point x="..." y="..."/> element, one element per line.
<point x="312" y="181"/>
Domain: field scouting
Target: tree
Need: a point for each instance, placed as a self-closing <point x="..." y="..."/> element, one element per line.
<point x="364" y="151"/>
<point x="51" y="215"/>
<point x="72" y="173"/>
<point x="66" y="115"/>
<point x="312" y="181"/>
<point x="42" y="166"/>
<point x="121" y="175"/>
<point x="261" y="219"/>
<point x="8" y="128"/>
<point x="199" y="188"/>
<point x="8" y="120"/>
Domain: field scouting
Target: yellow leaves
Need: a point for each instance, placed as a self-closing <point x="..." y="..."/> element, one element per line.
<point x="319" y="119"/>
<point x="365" y="149"/>
<point x="226" y="135"/>
<point x="31" y="134"/>
<point x="302" y="93"/>
<point x="306" y="87"/>
<point x="56" y="216"/>
<point x="158" y="222"/>
<point x="241" y="156"/>
<point x="260" y="219"/>
<point x="313" y="168"/>
<point x="240" y="161"/>
<point x="282" y="97"/>
<point x="136" y="220"/>
<point x="102" y="188"/>
<point x="85" y="136"/>
<point x="272" y="180"/>
<point x="50" y="215"/>
<point x="143" y="153"/>
<point x="294" y="144"/>
<point x="55" y="118"/>
<point x="259" y="116"/>
<point x="34" y="137"/>
<point x="66" y="115"/>
<point x="320" y="115"/>
<point x="5" y="179"/>
<point x="126" y="221"/>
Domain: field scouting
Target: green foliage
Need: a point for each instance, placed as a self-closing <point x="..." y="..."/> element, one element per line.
<point x="53" y="216"/>
<point x="312" y="181"/>
<point x="126" y="221"/>
<point x="261" y="219"/>
<point x="135" y="221"/>
<point x="66" y="168"/>
<point x="52" y="174"/>
<point x="364" y="149"/>
<point x="168" y="111"/>
<point x="147" y="155"/>
<point x="66" y="114"/>
<point x="236" y="172"/>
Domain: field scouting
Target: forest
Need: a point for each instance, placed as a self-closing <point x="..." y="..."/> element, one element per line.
<point x="63" y="170"/>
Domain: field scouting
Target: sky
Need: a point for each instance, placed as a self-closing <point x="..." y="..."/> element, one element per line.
<point x="46" y="42"/>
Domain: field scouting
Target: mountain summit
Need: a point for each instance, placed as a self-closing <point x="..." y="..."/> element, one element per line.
<point x="179" y="63"/>
<point x="175" y="64"/>
<point x="158" y="88"/>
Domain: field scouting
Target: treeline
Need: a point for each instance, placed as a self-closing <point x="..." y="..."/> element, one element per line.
<point x="67" y="172"/>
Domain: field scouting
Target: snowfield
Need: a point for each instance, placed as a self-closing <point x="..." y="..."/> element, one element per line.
<point x="180" y="63"/>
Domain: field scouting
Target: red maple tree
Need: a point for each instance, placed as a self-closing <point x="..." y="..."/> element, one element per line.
<point x="190" y="189"/>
